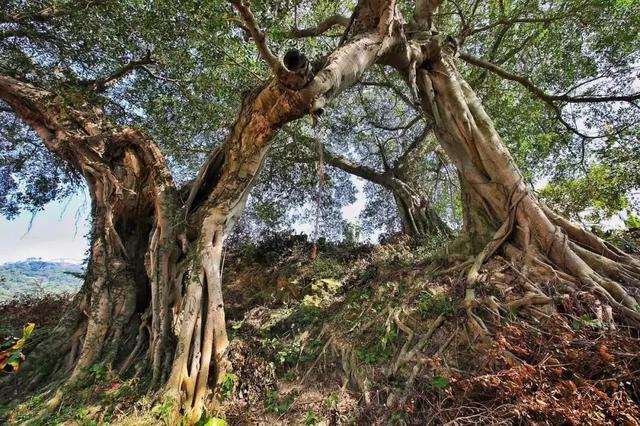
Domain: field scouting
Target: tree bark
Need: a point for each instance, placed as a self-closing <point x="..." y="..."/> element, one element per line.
<point x="202" y="336"/>
<point x="132" y="198"/>
<point x="499" y="201"/>
<point x="153" y="286"/>
<point x="417" y="215"/>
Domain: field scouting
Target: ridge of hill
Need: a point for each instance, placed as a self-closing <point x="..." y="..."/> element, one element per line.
<point x="34" y="275"/>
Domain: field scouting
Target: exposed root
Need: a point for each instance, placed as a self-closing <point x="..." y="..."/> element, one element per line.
<point x="447" y="342"/>
<point x="454" y="268"/>
<point x="529" y="300"/>
<point x="402" y="356"/>
<point x="479" y="328"/>
<point x="408" y="356"/>
<point x="322" y="352"/>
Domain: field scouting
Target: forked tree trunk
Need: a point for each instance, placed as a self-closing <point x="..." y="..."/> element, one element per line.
<point x="153" y="291"/>
<point x="153" y="288"/>
<point x="202" y="336"/>
<point x="498" y="200"/>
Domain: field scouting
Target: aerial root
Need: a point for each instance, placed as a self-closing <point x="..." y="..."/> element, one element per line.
<point x="140" y="338"/>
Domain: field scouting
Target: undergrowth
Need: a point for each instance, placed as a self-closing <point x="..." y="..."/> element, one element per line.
<point x="369" y="336"/>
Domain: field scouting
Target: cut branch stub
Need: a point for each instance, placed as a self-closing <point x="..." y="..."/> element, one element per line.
<point x="299" y="70"/>
<point x="291" y="79"/>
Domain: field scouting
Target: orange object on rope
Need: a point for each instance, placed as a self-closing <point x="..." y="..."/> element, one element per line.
<point x="320" y="171"/>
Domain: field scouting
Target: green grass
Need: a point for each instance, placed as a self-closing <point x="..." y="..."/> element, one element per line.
<point x="430" y="305"/>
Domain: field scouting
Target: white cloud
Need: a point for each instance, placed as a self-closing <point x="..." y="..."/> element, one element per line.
<point x="57" y="232"/>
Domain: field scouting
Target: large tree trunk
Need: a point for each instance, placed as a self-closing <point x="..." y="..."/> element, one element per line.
<point x="133" y="238"/>
<point x="202" y="336"/>
<point x="153" y="287"/>
<point x="499" y="202"/>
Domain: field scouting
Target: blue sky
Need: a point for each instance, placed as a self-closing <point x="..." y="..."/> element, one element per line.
<point x="58" y="232"/>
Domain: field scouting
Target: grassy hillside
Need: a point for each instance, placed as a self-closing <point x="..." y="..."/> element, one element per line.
<point x="34" y="276"/>
<point x="380" y="336"/>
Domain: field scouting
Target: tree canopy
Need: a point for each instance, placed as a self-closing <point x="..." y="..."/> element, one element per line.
<point x="482" y="125"/>
<point x="543" y="70"/>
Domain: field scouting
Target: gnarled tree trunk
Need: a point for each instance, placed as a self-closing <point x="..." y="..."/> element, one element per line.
<point x="153" y="287"/>
<point x="417" y="215"/>
<point x="499" y="202"/>
<point x="133" y="235"/>
<point x="202" y="335"/>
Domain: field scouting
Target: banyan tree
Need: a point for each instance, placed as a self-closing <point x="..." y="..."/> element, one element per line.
<point x="152" y="293"/>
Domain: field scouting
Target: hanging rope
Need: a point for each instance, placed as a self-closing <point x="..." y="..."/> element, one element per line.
<point x="320" y="172"/>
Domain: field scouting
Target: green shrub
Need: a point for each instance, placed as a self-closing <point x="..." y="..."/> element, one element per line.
<point x="276" y="405"/>
<point x="430" y="305"/>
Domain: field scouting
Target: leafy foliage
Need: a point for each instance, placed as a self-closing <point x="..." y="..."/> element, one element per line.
<point x="229" y="381"/>
<point x="11" y="350"/>
<point x="440" y="382"/>
<point x="276" y="404"/>
<point x="433" y="305"/>
<point x="600" y="194"/>
<point x="196" y="64"/>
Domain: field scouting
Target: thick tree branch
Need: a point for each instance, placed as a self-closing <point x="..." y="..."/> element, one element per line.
<point x="339" y="161"/>
<point x="355" y="169"/>
<point x="160" y="77"/>
<point x="28" y="33"/>
<point x="102" y="84"/>
<point x="513" y="52"/>
<point x="321" y="28"/>
<point x="519" y="20"/>
<point x="423" y="14"/>
<point x="273" y="62"/>
<point x="41" y="15"/>
<point x="387" y="85"/>
<point x="549" y="99"/>
<point x="405" y="126"/>
<point x="267" y="108"/>
<point x="47" y="13"/>
<point x="383" y="154"/>
<point x="17" y="33"/>
<point x="295" y="72"/>
<point x="416" y="144"/>
<point x="27" y="102"/>
<point x="539" y="93"/>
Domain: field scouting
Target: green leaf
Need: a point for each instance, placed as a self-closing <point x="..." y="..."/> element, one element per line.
<point x="215" y="421"/>
<point x="28" y="329"/>
<point x="440" y="382"/>
<point x="11" y="354"/>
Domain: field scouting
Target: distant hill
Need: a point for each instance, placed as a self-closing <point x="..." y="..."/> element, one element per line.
<point x="35" y="275"/>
